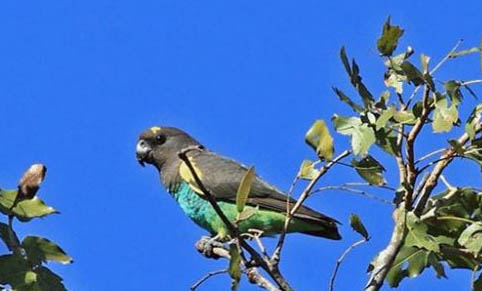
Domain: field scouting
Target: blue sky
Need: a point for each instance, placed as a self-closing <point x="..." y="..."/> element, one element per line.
<point x="79" y="80"/>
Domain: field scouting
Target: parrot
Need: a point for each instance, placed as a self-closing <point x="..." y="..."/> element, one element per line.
<point x="221" y="176"/>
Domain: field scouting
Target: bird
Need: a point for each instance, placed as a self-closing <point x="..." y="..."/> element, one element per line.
<point x="221" y="176"/>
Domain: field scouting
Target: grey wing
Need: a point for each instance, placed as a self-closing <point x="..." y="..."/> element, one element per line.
<point x="222" y="176"/>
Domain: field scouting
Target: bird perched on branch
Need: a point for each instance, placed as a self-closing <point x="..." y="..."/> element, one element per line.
<point x="160" y="146"/>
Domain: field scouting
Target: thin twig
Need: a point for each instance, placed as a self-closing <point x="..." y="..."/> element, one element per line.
<point x="370" y="185"/>
<point x="275" y="258"/>
<point x="206" y="277"/>
<point x="340" y="260"/>
<point x="356" y="191"/>
<point x="430" y="155"/>
<point x="437" y="66"/>
<point x="471" y="82"/>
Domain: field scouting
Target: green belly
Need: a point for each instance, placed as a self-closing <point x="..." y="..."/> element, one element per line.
<point x="203" y="214"/>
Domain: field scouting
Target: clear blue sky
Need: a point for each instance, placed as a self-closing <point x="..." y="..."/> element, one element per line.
<point x="79" y="80"/>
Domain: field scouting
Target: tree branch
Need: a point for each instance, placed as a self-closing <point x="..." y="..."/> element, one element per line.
<point x="206" y="277"/>
<point x="356" y="191"/>
<point x="277" y="252"/>
<point x="432" y="180"/>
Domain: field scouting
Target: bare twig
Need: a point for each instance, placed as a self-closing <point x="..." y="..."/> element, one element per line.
<point x="471" y="82"/>
<point x="206" y="277"/>
<point x="272" y="271"/>
<point x="429" y="155"/>
<point x="275" y="258"/>
<point x="340" y="260"/>
<point x="356" y="191"/>
<point x="370" y="185"/>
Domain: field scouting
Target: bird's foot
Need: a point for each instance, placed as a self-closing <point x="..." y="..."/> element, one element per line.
<point x="207" y="246"/>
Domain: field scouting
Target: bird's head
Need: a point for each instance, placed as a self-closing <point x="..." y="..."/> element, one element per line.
<point x="158" y="145"/>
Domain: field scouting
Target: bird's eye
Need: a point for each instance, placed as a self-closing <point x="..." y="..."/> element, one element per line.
<point x="160" y="138"/>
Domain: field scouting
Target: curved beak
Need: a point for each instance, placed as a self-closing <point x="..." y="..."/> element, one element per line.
<point x="142" y="151"/>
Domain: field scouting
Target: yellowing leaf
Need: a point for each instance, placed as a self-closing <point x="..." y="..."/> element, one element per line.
<point x="307" y="170"/>
<point x="319" y="138"/>
<point x="244" y="189"/>
<point x="370" y="170"/>
<point x="357" y="225"/>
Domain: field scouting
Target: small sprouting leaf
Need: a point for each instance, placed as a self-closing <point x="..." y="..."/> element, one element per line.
<point x="461" y="53"/>
<point x="370" y="170"/>
<point x="384" y="117"/>
<point x="244" y="189"/>
<point x="413" y="74"/>
<point x="357" y="225"/>
<point x="234" y="269"/>
<point x="43" y="250"/>
<point x="388" y="42"/>
<point x="307" y="170"/>
<point x="25" y="209"/>
<point x="471" y="238"/>
<point x="320" y="139"/>
<point x="424" y="60"/>
<point x="347" y="100"/>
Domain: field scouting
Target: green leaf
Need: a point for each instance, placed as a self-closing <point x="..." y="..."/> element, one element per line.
<point x="388" y="42"/>
<point x="383" y="100"/>
<point x="244" y="189"/>
<point x="370" y="170"/>
<point x="461" y="53"/>
<point x="424" y="60"/>
<point x="4" y="235"/>
<point x="444" y="117"/>
<point x="407" y="256"/>
<point x="414" y="76"/>
<point x="307" y="170"/>
<point x="404" y="117"/>
<point x="472" y="121"/>
<point x="387" y="141"/>
<point x="418" y="235"/>
<point x="394" y="80"/>
<point x="384" y="118"/>
<point x="25" y="210"/>
<point x="234" y="269"/>
<point x="478" y="284"/>
<point x="344" y="60"/>
<point x="48" y="280"/>
<point x="362" y="139"/>
<point x="320" y="139"/>
<point x="453" y="90"/>
<point x="43" y="250"/>
<point x="357" y="225"/>
<point x="12" y="270"/>
<point x="347" y="100"/>
<point x="471" y="238"/>
<point x="345" y="126"/>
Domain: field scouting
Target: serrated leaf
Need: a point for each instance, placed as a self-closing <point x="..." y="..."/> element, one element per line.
<point x="370" y="170"/>
<point x="357" y="225"/>
<point x="471" y="238"/>
<point x="320" y="139"/>
<point x="43" y="250"/>
<point x="414" y="76"/>
<point x="234" y="269"/>
<point x="307" y="170"/>
<point x="26" y="209"/>
<point x="418" y="235"/>
<point x="384" y="117"/>
<point x="244" y="189"/>
<point x="347" y="100"/>
<point x="406" y="256"/>
<point x="388" y="41"/>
